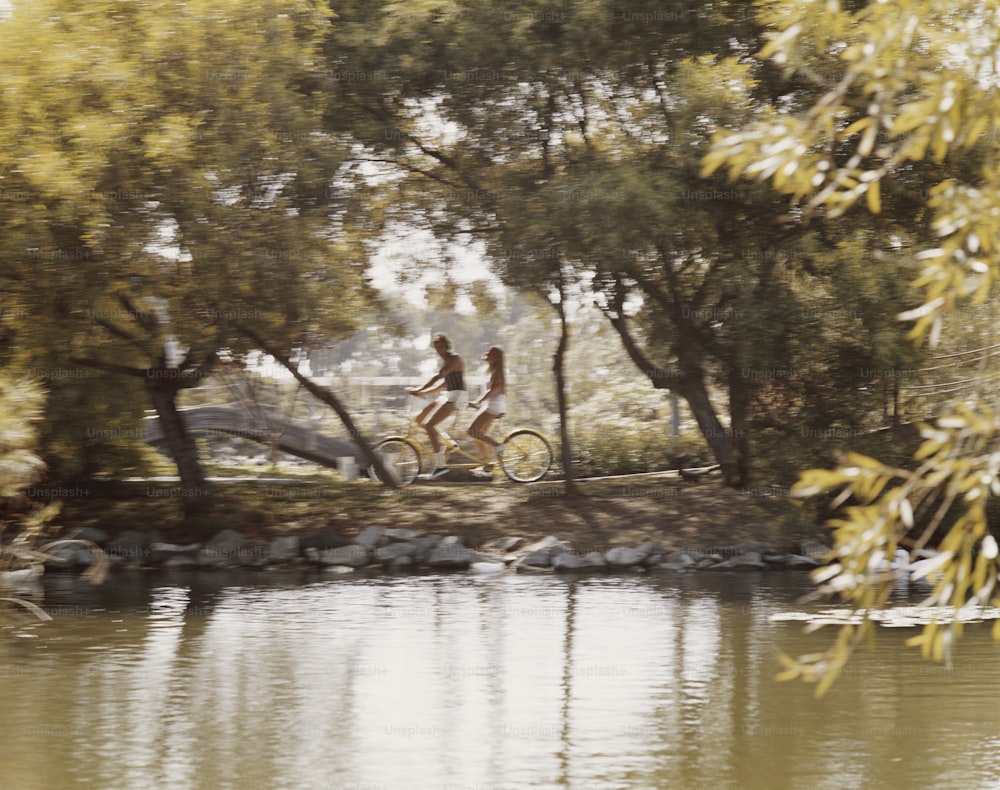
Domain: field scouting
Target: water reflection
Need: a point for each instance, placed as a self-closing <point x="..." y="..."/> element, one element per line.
<point x="473" y="682"/>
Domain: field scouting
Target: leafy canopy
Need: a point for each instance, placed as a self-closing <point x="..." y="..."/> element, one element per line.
<point x="908" y="88"/>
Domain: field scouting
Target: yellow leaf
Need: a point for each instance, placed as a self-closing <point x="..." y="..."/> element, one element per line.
<point x="929" y="447"/>
<point x="857" y="126"/>
<point x="938" y="649"/>
<point x="712" y="161"/>
<point x="874" y="197"/>
<point x="829" y="676"/>
<point x="814" y="481"/>
<point x="912" y="116"/>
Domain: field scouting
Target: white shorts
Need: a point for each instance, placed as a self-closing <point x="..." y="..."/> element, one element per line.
<point x="496" y="405"/>
<point x="451" y="396"/>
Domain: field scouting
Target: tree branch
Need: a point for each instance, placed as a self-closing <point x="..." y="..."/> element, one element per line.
<point x="324" y="395"/>
<point x="660" y="378"/>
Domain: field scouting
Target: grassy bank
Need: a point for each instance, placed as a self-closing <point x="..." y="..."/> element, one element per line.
<point x="619" y="511"/>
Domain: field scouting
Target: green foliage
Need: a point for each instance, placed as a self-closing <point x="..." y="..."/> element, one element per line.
<point x="165" y="178"/>
<point x="563" y="141"/>
<point x="21" y="408"/>
<point x="903" y="92"/>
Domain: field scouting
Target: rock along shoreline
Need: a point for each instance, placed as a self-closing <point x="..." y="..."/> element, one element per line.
<point x="391" y="550"/>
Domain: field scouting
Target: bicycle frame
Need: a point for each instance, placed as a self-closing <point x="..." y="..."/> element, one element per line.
<point x="417" y="434"/>
<point x="525" y="458"/>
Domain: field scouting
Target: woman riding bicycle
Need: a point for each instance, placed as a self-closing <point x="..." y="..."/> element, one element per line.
<point x="491" y="405"/>
<point x="452" y="382"/>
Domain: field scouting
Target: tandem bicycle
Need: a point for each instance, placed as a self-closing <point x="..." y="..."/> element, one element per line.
<point x="525" y="456"/>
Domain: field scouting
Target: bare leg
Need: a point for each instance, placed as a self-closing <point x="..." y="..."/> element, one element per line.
<point x="478" y="431"/>
<point x="422" y="417"/>
<point x="442" y="412"/>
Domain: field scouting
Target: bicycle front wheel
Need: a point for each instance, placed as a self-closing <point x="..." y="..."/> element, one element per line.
<point x="526" y="456"/>
<point x="400" y="457"/>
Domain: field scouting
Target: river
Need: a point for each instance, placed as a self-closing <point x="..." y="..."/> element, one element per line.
<point x="453" y="682"/>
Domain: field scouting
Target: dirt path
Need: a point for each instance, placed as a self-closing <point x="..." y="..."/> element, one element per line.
<point x="678" y="514"/>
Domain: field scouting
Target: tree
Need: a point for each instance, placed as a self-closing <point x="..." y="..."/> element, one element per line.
<point x="569" y="136"/>
<point x="907" y="94"/>
<point x="166" y="178"/>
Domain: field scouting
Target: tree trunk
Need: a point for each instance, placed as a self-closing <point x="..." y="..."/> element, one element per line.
<point x="739" y="409"/>
<point x="558" y="364"/>
<point x="690" y="385"/>
<point x="162" y="385"/>
<point x="195" y="491"/>
<point x="692" y="388"/>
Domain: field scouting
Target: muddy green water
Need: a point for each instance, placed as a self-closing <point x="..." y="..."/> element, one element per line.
<point x="473" y="683"/>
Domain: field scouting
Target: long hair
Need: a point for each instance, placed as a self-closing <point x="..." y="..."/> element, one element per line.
<point x="495" y="368"/>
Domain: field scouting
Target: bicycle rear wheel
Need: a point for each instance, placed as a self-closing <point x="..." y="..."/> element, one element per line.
<point x="526" y="456"/>
<point x="400" y="457"/>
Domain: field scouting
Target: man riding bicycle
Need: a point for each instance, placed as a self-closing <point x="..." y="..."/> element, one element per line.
<point x="451" y="378"/>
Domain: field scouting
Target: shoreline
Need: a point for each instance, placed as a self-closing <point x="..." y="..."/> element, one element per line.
<point x="645" y="522"/>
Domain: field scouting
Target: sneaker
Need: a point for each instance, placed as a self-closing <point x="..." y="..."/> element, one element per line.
<point x="482" y="471"/>
<point x="441" y="470"/>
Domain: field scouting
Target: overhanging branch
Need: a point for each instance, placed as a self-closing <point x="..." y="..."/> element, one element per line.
<point x="325" y="396"/>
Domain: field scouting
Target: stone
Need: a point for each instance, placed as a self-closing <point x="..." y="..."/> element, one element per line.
<point x="450" y="557"/>
<point x="284" y="549"/>
<point x="814" y="549"/>
<point x="70" y="555"/>
<point x="92" y="534"/>
<point x="395" y="551"/>
<point x="424" y="544"/>
<point x="478" y="556"/>
<point x="681" y="562"/>
<point x="401" y="563"/>
<point x="567" y="562"/>
<point x="161" y="552"/>
<point x="399" y="535"/>
<point x="798" y="561"/>
<point x="545" y="544"/>
<point x="225" y="548"/>
<point x="327" y="538"/>
<point x="594" y="561"/>
<point x="749" y="561"/>
<point x="26" y="581"/>
<point x="370" y="538"/>
<point x="227" y="539"/>
<point x="536" y="559"/>
<point x="505" y="545"/>
<point x="451" y="540"/>
<point x="210" y="558"/>
<point x="128" y="548"/>
<point x="353" y="556"/>
<point x="625" y="556"/>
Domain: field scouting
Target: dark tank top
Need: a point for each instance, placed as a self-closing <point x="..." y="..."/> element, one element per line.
<point x="454" y="381"/>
